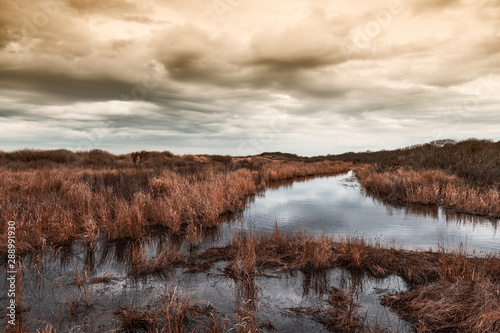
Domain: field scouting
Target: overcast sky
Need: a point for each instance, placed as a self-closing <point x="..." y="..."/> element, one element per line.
<point x="246" y="76"/>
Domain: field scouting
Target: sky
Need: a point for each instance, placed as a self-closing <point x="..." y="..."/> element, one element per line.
<point x="241" y="77"/>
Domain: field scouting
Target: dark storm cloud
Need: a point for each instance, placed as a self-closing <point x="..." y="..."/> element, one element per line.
<point x="61" y="89"/>
<point x="191" y="54"/>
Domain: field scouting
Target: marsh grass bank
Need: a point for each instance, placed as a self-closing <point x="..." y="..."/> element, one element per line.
<point x="431" y="187"/>
<point x="59" y="203"/>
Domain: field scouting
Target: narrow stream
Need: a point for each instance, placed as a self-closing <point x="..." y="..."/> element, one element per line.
<point x="337" y="206"/>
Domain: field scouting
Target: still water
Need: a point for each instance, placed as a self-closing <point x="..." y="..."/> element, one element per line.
<point x="338" y="206"/>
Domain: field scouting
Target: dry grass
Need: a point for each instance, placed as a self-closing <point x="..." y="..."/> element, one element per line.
<point x="465" y="298"/>
<point x="169" y="257"/>
<point x="242" y="269"/>
<point x="431" y="187"/>
<point x="105" y="278"/>
<point x="340" y="316"/>
<point x="55" y="206"/>
<point x="466" y="306"/>
<point x="217" y="325"/>
<point x="169" y="314"/>
<point x="299" y="251"/>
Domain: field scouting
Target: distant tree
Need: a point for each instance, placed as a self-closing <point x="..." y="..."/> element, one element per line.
<point x="139" y="156"/>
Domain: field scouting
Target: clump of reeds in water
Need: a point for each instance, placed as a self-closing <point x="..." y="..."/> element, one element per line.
<point x="431" y="187"/>
<point x="170" y="313"/>
<point x="465" y="297"/>
<point x="340" y="315"/>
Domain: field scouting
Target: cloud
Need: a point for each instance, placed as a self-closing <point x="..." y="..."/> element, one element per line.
<point x="262" y="75"/>
<point x="278" y="49"/>
<point x="434" y="5"/>
<point x="59" y="88"/>
<point x="104" y="7"/>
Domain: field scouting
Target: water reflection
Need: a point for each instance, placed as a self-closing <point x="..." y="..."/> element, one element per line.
<point x="432" y="211"/>
<point x="337" y="206"/>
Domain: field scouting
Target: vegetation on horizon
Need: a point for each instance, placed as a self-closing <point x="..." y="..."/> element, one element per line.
<point x="477" y="162"/>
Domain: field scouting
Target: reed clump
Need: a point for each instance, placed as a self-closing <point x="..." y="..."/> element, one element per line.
<point x="464" y="298"/>
<point x="465" y="306"/>
<point x="300" y="251"/>
<point x="242" y="269"/>
<point x="169" y="257"/>
<point x="340" y="315"/>
<point x="431" y="187"/>
<point x="172" y="313"/>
